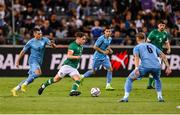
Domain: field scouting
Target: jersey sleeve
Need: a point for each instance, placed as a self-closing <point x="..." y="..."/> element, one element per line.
<point x="48" y="42"/>
<point x="71" y="47"/>
<point x="27" y="46"/>
<point x="151" y="36"/>
<point x="99" y="42"/>
<point x="136" y="51"/>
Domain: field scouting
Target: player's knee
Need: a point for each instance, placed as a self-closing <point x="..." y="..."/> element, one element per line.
<point x="38" y="73"/>
<point x="57" y="78"/>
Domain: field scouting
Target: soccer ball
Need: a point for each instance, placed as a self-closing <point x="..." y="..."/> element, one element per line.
<point x="95" y="92"/>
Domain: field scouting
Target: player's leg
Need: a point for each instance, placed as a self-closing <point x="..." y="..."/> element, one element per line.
<point x="76" y="77"/>
<point x="150" y="82"/>
<point x="34" y="72"/>
<point x="107" y="65"/>
<point x="128" y="86"/>
<point x="17" y="88"/>
<point x="95" y="66"/>
<point x="30" y="79"/>
<point x="61" y="73"/>
<point x="129" y="81"/>
<point x="158" y="85"/>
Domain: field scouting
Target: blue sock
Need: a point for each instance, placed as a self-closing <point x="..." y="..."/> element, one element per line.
<point x="128" y="85"/>
<point x="88" y="73"/>
<point x="158" y="85"/>
<point x="31" y="78"/>
<point x="109" y="76"/>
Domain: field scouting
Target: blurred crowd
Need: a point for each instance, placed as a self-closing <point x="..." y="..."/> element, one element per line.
<point x="60" y="19"/>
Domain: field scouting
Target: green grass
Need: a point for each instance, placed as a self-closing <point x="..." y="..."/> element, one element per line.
<point x="55" y="98"/>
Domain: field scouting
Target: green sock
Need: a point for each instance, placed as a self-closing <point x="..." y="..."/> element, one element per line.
<point x="49" y="82"/>
<point x="75" y="85"/>
<point x="151" y="81"/>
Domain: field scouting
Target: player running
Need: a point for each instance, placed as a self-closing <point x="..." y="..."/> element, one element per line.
<point x="101" y="58"/>
<point x="70" y="65"/>
<point x="37" y="47"/>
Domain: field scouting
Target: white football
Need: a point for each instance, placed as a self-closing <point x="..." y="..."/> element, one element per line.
<point x="95" y="92"/>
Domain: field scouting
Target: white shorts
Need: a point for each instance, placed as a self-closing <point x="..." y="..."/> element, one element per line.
<point x="67" y="70"/>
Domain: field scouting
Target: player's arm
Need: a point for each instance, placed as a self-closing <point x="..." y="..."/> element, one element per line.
<point x="71" y="56"/>
<point x="100" y="50"/>
<point x="21" y="54"/>
<point x="150" y="37"/>
<point x="110" y="50"/>
<point x="136" y="60"/>
<point x="168" y="46"/>
<point x="165" y="60"/>
<point x="52" y="44"/>
<point x="23" y="51"/>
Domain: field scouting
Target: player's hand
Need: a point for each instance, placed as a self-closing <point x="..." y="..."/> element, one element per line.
<point x="137" y="73"/>
<point x="168" y="51"/>
<point x="78" y="57"/>
<point x="110" y="51"/>
<point x="106" y="52"/>
<point x="168" y="70"/>
<point x="17" y="64"/>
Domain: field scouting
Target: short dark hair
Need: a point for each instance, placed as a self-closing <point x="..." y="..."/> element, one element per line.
<point x="107" y="27"/>
<point x="36" y="30"/>
<point x="141" y="35"/>
<point x="161" y="22"/>
<point x="79" y="34"/>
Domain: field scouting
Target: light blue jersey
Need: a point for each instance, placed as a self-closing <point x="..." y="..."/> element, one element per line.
<point x="103" y="43"/>
<point x="37" y="48"/>
<point x="148" y="54"/>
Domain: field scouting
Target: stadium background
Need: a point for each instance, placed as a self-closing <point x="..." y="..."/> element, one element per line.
<point x="60" y="19"/>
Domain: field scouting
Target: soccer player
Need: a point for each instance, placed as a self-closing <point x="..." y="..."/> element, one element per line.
<point x="70" y="65"/>
<point x="148" y="54"/>
<point x="37" y="47"/>
<point x="158" y="37"/>
<point x="101" y="58"/>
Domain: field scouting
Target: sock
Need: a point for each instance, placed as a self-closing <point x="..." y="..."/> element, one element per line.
<point x="108" y="84"/>
<point x="48" y="82"/>
<point x="30" y="78"/>
<point x="19" y="85"/>
<point x="128" y="85"/>
<point x="75" y="85"/>
<point x="159" y="94"/>
<point x="88" y="73"/>
<point x="126" y="95"/>
<point x="109" y="76"/>
<point x="150" y="81"/>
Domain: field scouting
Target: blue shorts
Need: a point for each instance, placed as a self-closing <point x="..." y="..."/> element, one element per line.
<point x="156" y="72"/>
<point x="97" y="64"/>
<point x="33" y="67"/>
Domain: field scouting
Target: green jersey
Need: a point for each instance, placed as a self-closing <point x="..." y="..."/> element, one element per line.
<point x="158" y="38"/>
<point x="77" y="51"/>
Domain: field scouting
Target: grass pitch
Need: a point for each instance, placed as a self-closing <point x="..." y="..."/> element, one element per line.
<point x="56" y="100"/>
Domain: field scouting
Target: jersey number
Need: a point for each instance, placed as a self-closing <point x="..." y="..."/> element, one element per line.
<point x="149" y="49"/>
